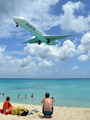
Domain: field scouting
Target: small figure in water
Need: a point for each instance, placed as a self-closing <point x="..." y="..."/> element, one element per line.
<point x="32" y="95"/>
<point x="25" y="95"/>
<point x="3" y="94"/>
<point x="18" y="95"/>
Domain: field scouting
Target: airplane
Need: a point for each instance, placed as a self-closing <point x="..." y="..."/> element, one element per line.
<point x="40" y="36"/>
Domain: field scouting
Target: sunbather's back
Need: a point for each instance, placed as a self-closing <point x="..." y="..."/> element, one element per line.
<point x="48" y="102"/>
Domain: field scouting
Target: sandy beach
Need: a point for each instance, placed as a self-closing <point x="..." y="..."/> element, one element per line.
<point x="60" y="113"/>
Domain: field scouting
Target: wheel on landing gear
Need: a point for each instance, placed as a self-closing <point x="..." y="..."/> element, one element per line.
<point x="39" y="43"/>
<point x="17" y="25"/>
<point x="48" y="41"/>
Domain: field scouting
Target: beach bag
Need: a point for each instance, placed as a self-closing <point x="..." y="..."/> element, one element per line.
<point x="19" y="111"/>
<point x="25" y="113"/>
<point x="14" y="111"/>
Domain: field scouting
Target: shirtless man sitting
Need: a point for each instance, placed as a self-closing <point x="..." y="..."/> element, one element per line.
<point x="47" y="105"/>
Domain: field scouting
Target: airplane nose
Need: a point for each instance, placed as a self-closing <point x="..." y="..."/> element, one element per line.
<point x="14" y="19"/>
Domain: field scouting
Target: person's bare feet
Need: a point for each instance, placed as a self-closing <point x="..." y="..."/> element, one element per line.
<point x="50" y="116"/>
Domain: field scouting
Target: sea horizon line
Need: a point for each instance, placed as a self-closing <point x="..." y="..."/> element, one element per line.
<point x="42" y="78"/>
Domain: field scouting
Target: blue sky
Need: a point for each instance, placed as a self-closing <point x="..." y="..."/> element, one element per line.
<point x="69" y="59"/>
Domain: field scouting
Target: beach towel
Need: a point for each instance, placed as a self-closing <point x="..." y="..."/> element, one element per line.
<point x="19" y="111"/>
<point x="6" y="113"/>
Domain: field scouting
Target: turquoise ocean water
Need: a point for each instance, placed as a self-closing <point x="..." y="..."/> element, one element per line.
<point x="67" y="92"/>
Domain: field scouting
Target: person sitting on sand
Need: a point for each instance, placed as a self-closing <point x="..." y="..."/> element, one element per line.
<point x="7" y="105"/>
<point x="47" y="105"/>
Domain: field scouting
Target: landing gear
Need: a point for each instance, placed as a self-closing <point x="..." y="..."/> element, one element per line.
<point x="16" y="25"/>
<point x="39" y="42"/>
<point x="48" y="41"/>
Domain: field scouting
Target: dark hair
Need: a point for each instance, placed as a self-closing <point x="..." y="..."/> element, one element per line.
<point x="47" y="95"/>
<point x="7" y="98"/>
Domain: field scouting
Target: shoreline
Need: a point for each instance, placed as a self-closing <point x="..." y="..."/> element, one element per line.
<point x="42" y="105"/>
<point x="62" y="113"/>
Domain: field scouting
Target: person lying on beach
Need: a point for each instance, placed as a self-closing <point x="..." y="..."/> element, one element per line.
<point x="47" y="105"/>
<point x="7" y="105"/>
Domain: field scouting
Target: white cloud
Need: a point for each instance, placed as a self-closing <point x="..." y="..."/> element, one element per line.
<point x="85" y="43"/>
<point x="74" y="68"/>
<point x="70" y="22"/>
<point x="40" y="11"/>
<point x="37" y="11"/>
<point x="2" y="49"/>
<point x="14" y="67"/>
<point x="84" y="47"/>
<point x="84" y="57"/>
<point x="15" y="52"/>
<point x="45" y="63"/>
<point x="8" y="8"/>
<point x="26" y="61"/>
<point x="45" y="56"/>
<point x="52" y="52"/>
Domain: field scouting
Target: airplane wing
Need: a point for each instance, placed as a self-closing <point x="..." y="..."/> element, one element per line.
<point x="51" y="38"/>
<point x="34" y="40"/>
<point x="56" y="37"/>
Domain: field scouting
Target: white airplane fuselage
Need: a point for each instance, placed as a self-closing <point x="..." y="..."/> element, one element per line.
<point x="30" y="27"/>
<point x="40" y="36"/>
